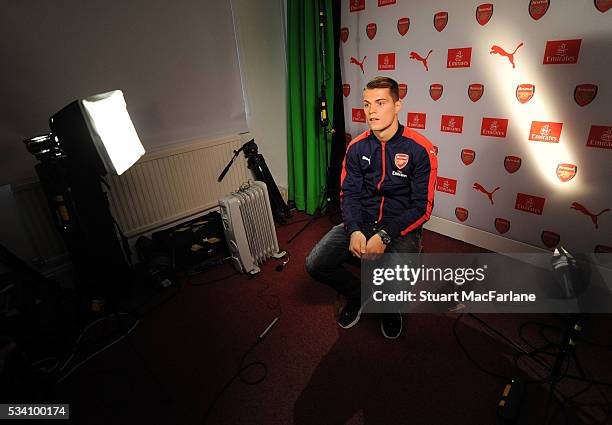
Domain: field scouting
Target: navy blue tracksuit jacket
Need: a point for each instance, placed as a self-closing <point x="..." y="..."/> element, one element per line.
<point x="391" y="183"/>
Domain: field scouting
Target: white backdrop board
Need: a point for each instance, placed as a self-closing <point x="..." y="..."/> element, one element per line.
<point x="515" y="95"/>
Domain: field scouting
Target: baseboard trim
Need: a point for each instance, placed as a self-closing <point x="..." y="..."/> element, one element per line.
<point x="480" y="238"/>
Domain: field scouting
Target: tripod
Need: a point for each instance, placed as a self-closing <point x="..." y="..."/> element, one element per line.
<point x="257" y="164"/>
<point x="566" y="354"/>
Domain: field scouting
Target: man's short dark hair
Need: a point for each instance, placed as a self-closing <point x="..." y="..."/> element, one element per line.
<point x="384" y="83"/>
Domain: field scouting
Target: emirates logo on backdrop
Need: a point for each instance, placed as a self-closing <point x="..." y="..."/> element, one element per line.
<point x="346" y="89"/>
<point x="459" y="58"/>
<point x="416" y="56"/>
<point x="344" y="34"/>
<point x="600" y="136"/>
<point x="550" y="239"/>
<point x="512" y="163"/>
<point x="529" y="203"/>
<point x="451" y="124"/>
<point x="484" y="13"/>
<point x="403" y="89"/>
<point x="477" y="186"/>
<point x="446" y="185"/>
<point x="603" y="5"/>
<point x="371" y="31"/>
<point x="435" y="91"/>
<point x="468" y="156"/>
<point x="386" y="61"/>
<point x="562" y="51"/>
<point x="502" y="225"/>
<point x="385" y="2"/>
<point x="356" y="5"/>
<point x="594" y="217"/>
<point x="359" y="63"/>
<point x="542" y="131"/>
<point x="417" y="120"/>
<point x="538" y="8"/>
<point x="496" y="50"/>
<point x="566" y="172"/>
<point x="475" y="92"/>
<point x="524" y="92"/>
<point x="461" y="213"/>
<point x="403" y="25"/>
<point x="440" y="21"/>
<point x="494" y="127"/>
<point x="585" y="93"/>
<point x="358" y="115"/>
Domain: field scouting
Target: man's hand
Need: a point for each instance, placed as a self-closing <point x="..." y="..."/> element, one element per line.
<point x="358" y="244"/>
<point x="375" y="247"/>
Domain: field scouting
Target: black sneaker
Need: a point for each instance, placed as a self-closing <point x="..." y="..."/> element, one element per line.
<point x="391" y="325"/>
<point x="350" y="314"/>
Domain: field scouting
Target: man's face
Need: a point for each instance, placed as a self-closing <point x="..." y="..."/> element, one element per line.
<point x="379" y="108"/>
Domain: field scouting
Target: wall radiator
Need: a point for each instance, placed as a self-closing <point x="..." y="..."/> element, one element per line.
<point x="249" y="227"/>
<point x="163" y="187"/>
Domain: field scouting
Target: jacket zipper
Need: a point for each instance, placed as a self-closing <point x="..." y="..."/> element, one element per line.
<point x="382" y="201"/>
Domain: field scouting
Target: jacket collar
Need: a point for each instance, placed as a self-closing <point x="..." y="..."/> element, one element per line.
<point x="396" y="136"/>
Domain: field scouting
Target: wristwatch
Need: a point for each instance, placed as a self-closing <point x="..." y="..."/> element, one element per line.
<point x="384" y="236"/>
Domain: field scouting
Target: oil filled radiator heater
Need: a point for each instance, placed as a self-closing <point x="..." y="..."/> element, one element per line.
<point x="249" y="227"/>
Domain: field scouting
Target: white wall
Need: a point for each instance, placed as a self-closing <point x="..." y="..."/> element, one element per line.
<point x="176" y="63"/>
<point x="261" y="44"/>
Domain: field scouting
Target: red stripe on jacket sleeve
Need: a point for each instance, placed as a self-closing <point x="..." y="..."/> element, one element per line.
<point x="433" y="171"/>
<point x="343" y="175"/>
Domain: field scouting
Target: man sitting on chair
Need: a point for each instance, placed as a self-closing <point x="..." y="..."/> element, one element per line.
<point x="387" y="193"/>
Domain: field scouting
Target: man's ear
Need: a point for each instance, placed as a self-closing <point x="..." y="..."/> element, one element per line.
<point x="398" y="106"/>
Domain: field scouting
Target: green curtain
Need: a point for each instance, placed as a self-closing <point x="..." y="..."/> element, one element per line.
<point x="306" y="139"/>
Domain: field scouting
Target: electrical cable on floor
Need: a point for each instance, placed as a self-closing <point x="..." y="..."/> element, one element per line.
<point x="80" y="337"/>
<point x="273" y="303"/>
<point x="242" y="369"/>
<point x="100" y="351"/>
<point x="470" y="358"/>
<point x="606" y="405"/>
<point x="475" y="363"/>
<point x="211" y="282"/>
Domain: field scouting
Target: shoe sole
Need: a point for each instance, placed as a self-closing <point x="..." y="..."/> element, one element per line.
<point x="382" y="329"/>
<point x="354" y="322"/>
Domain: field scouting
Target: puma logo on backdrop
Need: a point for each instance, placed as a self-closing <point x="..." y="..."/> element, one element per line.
<point x="416" y="56"/>
<point x="583" y="210"/>
<point x="480" y="188"/>
<point x="358" y="63"/>
<point x="496" y="50"/>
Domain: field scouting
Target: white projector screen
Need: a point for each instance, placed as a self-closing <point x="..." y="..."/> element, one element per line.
<point x="175" y="61"/>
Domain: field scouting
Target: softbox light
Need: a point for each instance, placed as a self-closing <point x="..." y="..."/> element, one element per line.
<point x="98" y="133"/>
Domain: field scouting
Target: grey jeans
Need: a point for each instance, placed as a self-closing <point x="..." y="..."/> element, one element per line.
<point x="325" y="261"/>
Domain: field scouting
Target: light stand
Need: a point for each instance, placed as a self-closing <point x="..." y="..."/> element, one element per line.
<point x="80" y="210"/>
<point x="89" y="138"/>
<point x="571" y="280"/>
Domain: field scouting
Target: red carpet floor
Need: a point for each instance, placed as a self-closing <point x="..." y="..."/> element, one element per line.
<point x="182" y="354"/>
